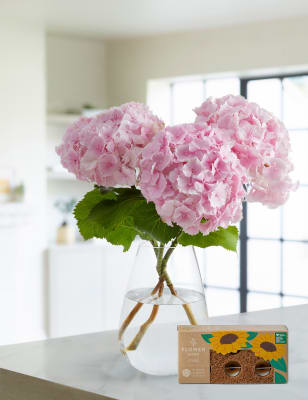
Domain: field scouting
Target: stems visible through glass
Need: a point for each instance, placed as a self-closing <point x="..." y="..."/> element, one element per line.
<point x="161" y="267"/>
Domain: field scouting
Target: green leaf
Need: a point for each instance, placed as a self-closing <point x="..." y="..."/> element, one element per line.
<point x="207" y="336"/>
<point x="280" y="364"/>
<point x="123" y="236"/>
<point x="91" y="199"/>
<point x="87" y="228"/>
<point x="147" y="220"/>
<point x="248" y="346"/>
<point x="279" y="378"/>
<point x="251" y="335"/>
<point x="226" y="238"/>
<point x="132" y="209"/>
<point x="119" y="216"/>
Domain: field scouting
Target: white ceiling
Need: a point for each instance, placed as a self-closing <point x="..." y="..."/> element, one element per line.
<point x="113" y="18"/>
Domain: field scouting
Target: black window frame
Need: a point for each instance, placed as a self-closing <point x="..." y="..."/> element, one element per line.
<point x="244" y="238"/>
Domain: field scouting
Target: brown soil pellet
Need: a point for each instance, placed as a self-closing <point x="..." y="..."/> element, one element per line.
<point x="247" y="361"/>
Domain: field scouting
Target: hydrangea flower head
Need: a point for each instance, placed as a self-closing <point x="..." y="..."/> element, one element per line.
<point x="193" y="178"/>
<point x="259" y="140"/>
<point x="106" y="148"/>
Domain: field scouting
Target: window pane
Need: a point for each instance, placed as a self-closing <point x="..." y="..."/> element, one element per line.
<point x="221" y="267"/>
<point x="299" y="145"/>
<point x="221" y="87"/>
<point x="264" y="265"/>
<point x="186" y="96"/>
<point x="295" y="268"/>
<point x="222" y="302"/>
<point x="258" y="301"/>
<point x="159" y="99"/>
<point x="295" y="215"/>
<point x="293" y="301"/>
<point x="267" y="93"/>
<point x="295" y="102"/>
<point x="262" y="221"/>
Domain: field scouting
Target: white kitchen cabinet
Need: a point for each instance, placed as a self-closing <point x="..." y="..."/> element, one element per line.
<point x="86" y="285"/>
<point x="21" y="274"/>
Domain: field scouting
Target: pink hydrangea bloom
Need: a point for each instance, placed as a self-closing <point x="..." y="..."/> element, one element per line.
<point x="193" y="178"/>
<point x="260" y="141"/>
<point x="106" y="148"/>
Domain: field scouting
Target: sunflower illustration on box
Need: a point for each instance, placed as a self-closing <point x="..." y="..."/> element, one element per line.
<point x="248" y="356"/>
<point x="225" y="342"/>
<point x="233" y="354"/>
<point x="266" y="347"/>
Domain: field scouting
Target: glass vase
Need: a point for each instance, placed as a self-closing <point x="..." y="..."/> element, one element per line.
<point x="164" y="290"/>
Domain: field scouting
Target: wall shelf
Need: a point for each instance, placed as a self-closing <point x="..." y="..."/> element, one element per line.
<point x="62" y="119"/>
<point x="14" y="214"/>
<point x="60" y="176"/>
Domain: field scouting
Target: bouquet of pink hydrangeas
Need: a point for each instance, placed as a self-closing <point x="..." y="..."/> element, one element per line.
<point x="183" y="183"/>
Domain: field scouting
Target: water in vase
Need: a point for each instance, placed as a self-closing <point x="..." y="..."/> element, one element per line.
<point x="156" y="352"/>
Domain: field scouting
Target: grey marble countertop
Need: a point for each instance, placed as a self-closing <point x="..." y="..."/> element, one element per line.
<point x="92" y="363"/>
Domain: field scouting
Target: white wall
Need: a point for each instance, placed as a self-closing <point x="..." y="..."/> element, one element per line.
<point x="131" y="62"/>
<point x="75" y="72"/>
<point x="22" y="146"/>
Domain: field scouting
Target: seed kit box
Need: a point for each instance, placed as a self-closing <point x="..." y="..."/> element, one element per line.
<point x="233" y="354"/>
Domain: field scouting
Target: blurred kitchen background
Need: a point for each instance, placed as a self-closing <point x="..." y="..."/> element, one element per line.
<point x="63" y="59"/>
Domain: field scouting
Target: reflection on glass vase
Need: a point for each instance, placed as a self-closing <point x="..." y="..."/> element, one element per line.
<point x="164" y="290"/>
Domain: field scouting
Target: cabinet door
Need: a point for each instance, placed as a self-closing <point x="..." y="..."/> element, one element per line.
<point x="9" y="261"/>
<point x="21" y="301"/>
<point x="76" y="289"/>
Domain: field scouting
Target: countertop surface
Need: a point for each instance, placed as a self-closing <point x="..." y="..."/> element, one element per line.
<point x="92" y="366"/>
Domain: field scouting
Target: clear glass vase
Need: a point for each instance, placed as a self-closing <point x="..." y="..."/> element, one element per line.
<point x="164" y="290"/>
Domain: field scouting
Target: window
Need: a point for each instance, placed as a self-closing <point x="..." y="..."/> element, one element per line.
<point x="174" y="101"/>
<point x="277" y="240"/>
<point x="271" y="267"/>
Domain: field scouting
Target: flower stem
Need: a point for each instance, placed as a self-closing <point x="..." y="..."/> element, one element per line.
<point x="186" y="307"/>
<point x="159" y="256"/>
<point x="128" y="319"/>
<point x="164" y="273"/>
<point x="161" y="267"/>
<point x="144" y="327"/>
<point x="164" y="261"/>
<point x="134" y="311"/>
